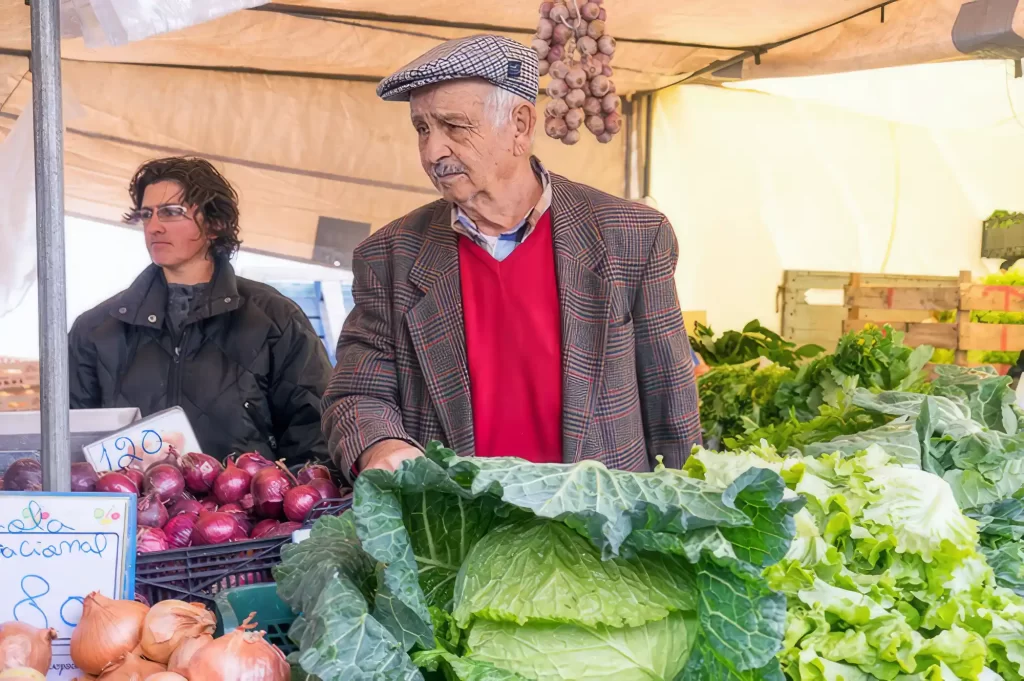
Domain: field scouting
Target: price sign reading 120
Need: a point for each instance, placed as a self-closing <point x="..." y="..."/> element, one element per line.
<point x="144" y="443"/>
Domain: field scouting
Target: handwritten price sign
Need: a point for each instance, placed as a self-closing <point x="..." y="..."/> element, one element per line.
<point x="56" y="549"/>
<point x="144" y="443"/>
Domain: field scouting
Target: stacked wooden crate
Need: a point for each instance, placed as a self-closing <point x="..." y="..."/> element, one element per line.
<point x="19" y="384"/>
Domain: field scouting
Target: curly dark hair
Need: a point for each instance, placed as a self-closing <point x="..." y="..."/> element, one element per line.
<point x="204" y="188"/>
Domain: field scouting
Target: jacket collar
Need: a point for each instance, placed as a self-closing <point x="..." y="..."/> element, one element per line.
<point x="144" y="303"/>
<point x="436" y="322"/>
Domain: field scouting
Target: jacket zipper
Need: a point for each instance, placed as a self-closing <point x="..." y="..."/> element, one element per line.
<point x="261" y="424"/>
<point x="174" y="380"/>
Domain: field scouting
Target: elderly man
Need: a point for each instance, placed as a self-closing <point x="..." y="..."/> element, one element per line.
<point x="521" y="315"/>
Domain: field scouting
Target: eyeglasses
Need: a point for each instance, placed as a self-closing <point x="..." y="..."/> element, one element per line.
<point x="168" y="213"/>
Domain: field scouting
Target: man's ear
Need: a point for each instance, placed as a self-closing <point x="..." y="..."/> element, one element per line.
<point x="524" y="118"/>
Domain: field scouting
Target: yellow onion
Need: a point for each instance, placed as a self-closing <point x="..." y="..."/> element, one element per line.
<point x="107" y="631"/>
<point x="168" y="623"/>
<point x="166" y="676"/>
<point x="183" y="654"/>
<point x="131" y="668"/>
<point x="241" y="655"/>
<point x="22" y="673"/>
<point x="22" y="645"/>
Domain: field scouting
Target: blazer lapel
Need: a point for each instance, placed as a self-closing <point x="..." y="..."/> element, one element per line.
<point x="438" y="335"/>
<point x="585" y="299"/>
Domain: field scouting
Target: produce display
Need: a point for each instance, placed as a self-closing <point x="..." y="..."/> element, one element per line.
<point x="465" y="568"/>
<point x="753" y="342"/>
<point x="194" y="500"/>
<point x="574" y="49"/>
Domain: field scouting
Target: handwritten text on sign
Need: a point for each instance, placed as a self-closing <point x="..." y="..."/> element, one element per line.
<point x="55" y="549"/>
<point x="144" y="443"/>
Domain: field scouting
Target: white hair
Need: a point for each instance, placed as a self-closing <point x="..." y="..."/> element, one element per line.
<point x="501" y="103"/>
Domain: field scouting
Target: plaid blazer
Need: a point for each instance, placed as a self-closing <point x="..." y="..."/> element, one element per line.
<point x="629" y="393"/>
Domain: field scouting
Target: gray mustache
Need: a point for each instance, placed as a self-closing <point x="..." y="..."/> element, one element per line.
<point x="444" y="169"/>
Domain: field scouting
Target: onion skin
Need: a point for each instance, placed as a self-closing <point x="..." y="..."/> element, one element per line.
<point x="558" y="13"/>
<point x="200" y="470"/>
<point x="556" y="128"/>
<point x="22" y="645"/>
<point x="600" y="86"/>
<point x="557" y="88"/>
<point x="596" y="29"/>
<point x="232" y="484"/>
<point x="559" y="69"/>
<point x="285" y="528"/>
<point x="611" y="103"/>
<point x="27" y="673"/>
<point x="116" y="482"/>
<point x="83" y="477"/>
<point x="150" y="540"/>
<point x="179" y="529"/>
<point x="214" y="528"/>
<point x="574" y="100"/>
<point x="135" y="475"/>
<point x="183" y="654"/>
<point x="209" y="505"/>
<point x="606" y="44"/>
<point x="312" y="471"/>
<point x="561" y="34"/>
<point x="571" y="137"/>
<point x="590" y="11"/>
<point x="151" y="513"/>
<point x="299" y="501"/>
<point x="107" y="631"/>
<point x="592" y="106"/>
<point x="613" y="123"/>
<point x="265" y="528"/>
<point x="239" y="656"/>
<point x="268" y="489"/>
<point x="131" y="668"/>
<point x="556" y="108"/>
<point x="253" y="462"/>
<point x="166" y="676"/>
<point x="24" y="475"/>
<point x="575" y="78"/>
<point x="545" y="29"/>
<point x="186" y="507"/>
<point x="326" y="488"/>
<point x="170" y="622"/>
<point x="574" y="119"/>
<point x="166" y="480"/>
<point x="595" y="124"/>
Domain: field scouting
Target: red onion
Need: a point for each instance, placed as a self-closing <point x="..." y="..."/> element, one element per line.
<point x="268" y="490"/>
<point x="285" y="528"/>
<point x="83" y="477"/>
<point x="179" y="531"/>
<point x="151" y="513"/>
<point x="150" y="539"/>
<point x="239" y="515"/>
<point x="186" y="507"/>
<point x="264" y="528"/>
<point x="312" y="471"/>
<point x="298" y="501"/>
<point x="247" y="504"/>
<point x="166" y="480"/>
<point x="215" y="528"/>
<point x="134" y="474"/>
<point x="253" y="462"/>
<point x="326" y="488"/>
<point x="209" y="505"/>
<point x="231" y="485"/>
<point x="116" y="482"/>
<point x="200" y="470"/>
<point x="24" y="475"/>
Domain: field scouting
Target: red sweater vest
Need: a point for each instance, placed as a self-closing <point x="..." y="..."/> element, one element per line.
<point x="514" y="347"/>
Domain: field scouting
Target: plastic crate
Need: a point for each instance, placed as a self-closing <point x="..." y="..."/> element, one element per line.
<point x="199" y="573"/>
<point x="272" y="614"/>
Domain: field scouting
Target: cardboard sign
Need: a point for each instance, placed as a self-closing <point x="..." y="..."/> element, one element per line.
<point x="144" y="442"/>
<point x="56" y="549"/>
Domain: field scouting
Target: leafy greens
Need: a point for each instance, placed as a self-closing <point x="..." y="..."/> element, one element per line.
<point x="499" y="569"/>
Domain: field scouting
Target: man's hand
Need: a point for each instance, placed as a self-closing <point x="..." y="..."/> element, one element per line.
<point x="388" y="455"/>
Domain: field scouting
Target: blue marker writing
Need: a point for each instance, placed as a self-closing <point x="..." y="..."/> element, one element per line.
<point x="125" y="444"/>
<point x="41" y="588"/>
<point x="74" y="613"/>
<point x="159" y="443"/>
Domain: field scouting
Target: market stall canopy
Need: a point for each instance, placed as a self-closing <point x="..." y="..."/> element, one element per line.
<point x="282" y="96"/>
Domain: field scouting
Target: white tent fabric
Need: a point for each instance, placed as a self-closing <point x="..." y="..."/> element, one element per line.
<point x="758" y="183"/>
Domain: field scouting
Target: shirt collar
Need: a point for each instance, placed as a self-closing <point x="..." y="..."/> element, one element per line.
<point x="462" y="224"/>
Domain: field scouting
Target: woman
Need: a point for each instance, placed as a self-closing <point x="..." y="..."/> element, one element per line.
<point x="242" y="360"/>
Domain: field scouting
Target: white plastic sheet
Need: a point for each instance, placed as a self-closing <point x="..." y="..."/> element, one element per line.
<point x="116" y="22"/>
<point x="17" y="215"/>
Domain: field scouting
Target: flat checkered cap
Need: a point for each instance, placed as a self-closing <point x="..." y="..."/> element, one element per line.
<point x="510" y="65"/>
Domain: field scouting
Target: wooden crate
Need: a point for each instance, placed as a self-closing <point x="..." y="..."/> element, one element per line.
<point x="822" y="324"/>
<point x="961" y="335"/>
<point x="18" y="373"/>
<point x="19" y="399"/>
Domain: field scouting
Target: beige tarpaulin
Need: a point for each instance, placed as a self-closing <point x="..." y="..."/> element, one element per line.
<point x="282" y="98"/>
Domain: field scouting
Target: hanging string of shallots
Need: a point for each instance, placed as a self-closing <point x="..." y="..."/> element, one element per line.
<point x="577" y="53"/>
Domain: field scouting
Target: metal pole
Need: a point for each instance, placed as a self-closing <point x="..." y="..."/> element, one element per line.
<point x="47" y="118"/>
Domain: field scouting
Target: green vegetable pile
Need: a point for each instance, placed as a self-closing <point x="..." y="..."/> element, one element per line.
<point x="1002" y="219"/>
<point x="504" y="570"/>
<point x="753" y="342"/>
<point x="744" y="404"/>
<point x="884" y="579"/>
